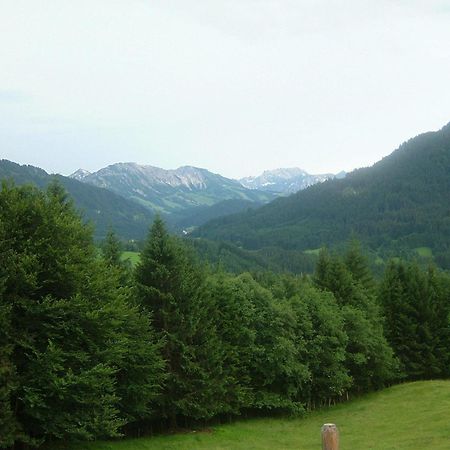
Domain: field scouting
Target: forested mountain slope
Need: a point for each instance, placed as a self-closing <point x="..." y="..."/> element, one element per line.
<point x="100" y="206"/>
<point x="400" y="202"/>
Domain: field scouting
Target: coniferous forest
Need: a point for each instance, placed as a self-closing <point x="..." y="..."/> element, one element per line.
<point x="395" y="207"/>
<point x="91" y="348"/>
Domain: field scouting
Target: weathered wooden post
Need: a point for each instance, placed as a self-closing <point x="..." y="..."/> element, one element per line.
<point x="330" y="437"/>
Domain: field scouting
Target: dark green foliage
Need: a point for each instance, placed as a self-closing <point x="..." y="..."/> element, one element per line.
<point x="276" y="369"/>
<point x="193" y="217"/>
<point x="71" y="346"/>
<point x="238" y="260"/>
<point x="111" y="249"/>
<point x="8" y="425"/>
<point x="398" y="204"/>
<point x="237" y="333"/>
<point x="326" y="347"/>
<point x="170" y="287"/>
<point x="417" y="307"/>
<point x="101" y="207"/>
<point x="369" y="358"/>
<point x="358" y="266"/>
<point x="320" y="338"/>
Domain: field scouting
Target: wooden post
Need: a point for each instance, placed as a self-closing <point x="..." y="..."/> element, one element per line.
<point x="330" y="437"/>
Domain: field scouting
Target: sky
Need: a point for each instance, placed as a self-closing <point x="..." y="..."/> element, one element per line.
<point x="234" y="86"/>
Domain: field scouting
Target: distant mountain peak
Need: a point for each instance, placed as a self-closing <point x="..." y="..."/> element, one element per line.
<point x="80" y="174"/>
<point x="287" y="172"/>
<point x="170" y="190"/>
<point x="284" y="180"/>
<point x="150" y="176"/>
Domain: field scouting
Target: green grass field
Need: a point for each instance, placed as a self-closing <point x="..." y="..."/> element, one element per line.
<point x="425" y="252"/>
<point x="408" y="416"/>
<point x="133" y="257"/>
<point x="312" y="251"/>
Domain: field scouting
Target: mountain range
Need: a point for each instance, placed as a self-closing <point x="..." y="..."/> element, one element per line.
<point x="170" y="191"/>
<point x="189" y="196"/>
<point x="398" y="205"/>
<point x="126" y="196"/>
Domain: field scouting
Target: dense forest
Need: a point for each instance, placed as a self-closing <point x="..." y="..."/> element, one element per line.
<point x="90" y="348"/>
<point x="394" y="207"/>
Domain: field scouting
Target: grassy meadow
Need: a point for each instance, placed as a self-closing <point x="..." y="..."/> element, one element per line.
<point x="407" y="416"/>
<point x="133" y="257"/>
<point x="424" y="252"/>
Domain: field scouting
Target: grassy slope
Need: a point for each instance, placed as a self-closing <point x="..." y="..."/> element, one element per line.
<point x="408" y="416"/>
<point x="133" y="257"/>
<point x="425" y="252"/>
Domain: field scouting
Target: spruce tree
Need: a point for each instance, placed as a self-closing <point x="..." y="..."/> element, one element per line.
<point x="8" y="425"/>
<point x="170" y="286"/>
<point x="358" y="266"/>
<point x="112" y="250"/>
<point x="400" y="316"/>
<point x="417" y="319"/>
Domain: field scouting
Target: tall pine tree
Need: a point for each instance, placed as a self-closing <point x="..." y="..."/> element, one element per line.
<point x="170" y="286"/>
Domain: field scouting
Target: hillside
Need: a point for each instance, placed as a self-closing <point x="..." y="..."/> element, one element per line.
<point x="399" y="203"/>
<point x="407" y="416"/>
<point x="237" y="260"/>
<point x="100" y="206"/>
<point x="196" y="216"/>
<point x="170" y="191"/>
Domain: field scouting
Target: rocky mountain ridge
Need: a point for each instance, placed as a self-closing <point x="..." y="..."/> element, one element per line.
<point x="170" y="191"/>
<point x="286" y="180"/>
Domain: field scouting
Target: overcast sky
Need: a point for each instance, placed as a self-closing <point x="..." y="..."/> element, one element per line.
<point x="235" y="86"/>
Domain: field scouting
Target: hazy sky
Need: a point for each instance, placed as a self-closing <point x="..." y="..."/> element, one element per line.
<point x="235" y="86"/>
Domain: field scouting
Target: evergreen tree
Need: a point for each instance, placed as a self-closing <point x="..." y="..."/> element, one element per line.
<point x="112" y="250"/>
<point x="171" y="288"/>
<point x="358" y="266"/>
<point x="8" y="426"/>
<point x="399" y="315"/>
<point x="332" y="275"/>
<point x="417" y="319"/>
<point x="439" y="292"/>
<point x="65" y="342"/>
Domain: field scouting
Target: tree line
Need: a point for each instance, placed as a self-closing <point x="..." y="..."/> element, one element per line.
<point x="91" y="348"/>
